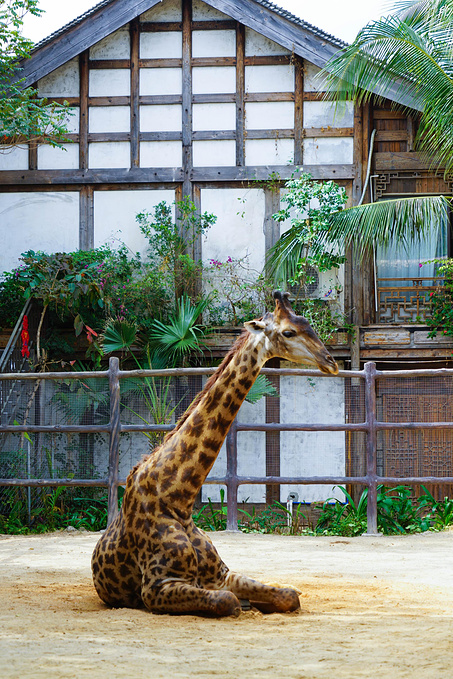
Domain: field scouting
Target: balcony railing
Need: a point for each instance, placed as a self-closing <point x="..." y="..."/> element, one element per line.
<point x="405" y="300"/>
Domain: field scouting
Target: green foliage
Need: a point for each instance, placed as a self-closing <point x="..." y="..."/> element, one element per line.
<point x="171" y="240"/>
<point x="309" y="205"/>
<point x="24" y="115"/>
<point x="237" y="292"/>
<point x="441" y="311"/>
<point x="323" y="318"/>
<point x="11" y="299"/>
<point x="261" y="387"/>
<point x="398" y="513"/>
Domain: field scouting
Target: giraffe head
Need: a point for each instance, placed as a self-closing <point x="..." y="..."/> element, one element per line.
<point x="291" y="337"/>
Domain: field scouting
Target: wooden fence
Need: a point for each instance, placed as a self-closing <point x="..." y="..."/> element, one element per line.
<point x="370" y="426"/>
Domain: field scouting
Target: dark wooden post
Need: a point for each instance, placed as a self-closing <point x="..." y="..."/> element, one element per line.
<point x="371" y="447"/>
<point x="231" y="477"/>
<point x="114" y="442"/>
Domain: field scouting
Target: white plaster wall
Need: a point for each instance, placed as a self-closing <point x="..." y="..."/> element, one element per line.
<point x="160" y="154"/>
<point x="73" y="120"/>
<point x="47" y="221"/>
<point x="109" y="119"/>
<point x="214" y="153"/>
<point x="161" y="118"/>
<point x="66" y="158"/>
<point x="257" y="44"/>
<point x="214" y="116"/>
<point x="278" y="78"/>
<point x="214" y="79"/>
<point x="115" y="213"/>
<point x="311" y="82"/>
<point x="269" y="115"/>
<point x="110" y="82"/>
<point x="203" y="12"/>
<point x="239" y="227"/>
<point x="170" y="10"/>
<point x="114" y="46"/>
<point x="328" y="151"/>
<point x="213" y="43"/>
<point x="112" y="154"/>
<point x="165" y="45"/>
<point x="160" y="81"/>
<point x="326" y="114"/>
<point x="14" y="159"/>
<point x="251" y="457"/>
<point x="269" y="151"/>
<point x="305" y="400"/>
<point x="63" y="82"/>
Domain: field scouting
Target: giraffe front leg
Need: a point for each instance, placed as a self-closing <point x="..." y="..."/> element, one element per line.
<point x="266" y="598"/>
<point x="181" y="597"/>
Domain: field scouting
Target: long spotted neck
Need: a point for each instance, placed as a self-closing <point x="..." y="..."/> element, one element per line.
<point x="186" y="458"/>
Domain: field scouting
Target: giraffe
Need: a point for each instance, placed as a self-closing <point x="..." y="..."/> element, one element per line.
<point x="152" y="554"/>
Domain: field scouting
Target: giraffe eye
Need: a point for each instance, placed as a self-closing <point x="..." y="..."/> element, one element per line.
<point x="288" y="333"/>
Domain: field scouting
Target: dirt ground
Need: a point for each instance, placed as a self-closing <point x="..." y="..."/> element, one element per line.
<point x="370" y="607"/>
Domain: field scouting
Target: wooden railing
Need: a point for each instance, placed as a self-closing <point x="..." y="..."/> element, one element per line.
<point x="405" y="300"/>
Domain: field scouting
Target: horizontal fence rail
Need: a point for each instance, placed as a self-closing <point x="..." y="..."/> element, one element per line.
<point x="232" y="480"/>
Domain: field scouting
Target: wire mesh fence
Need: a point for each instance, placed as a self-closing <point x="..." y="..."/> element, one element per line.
<point x="71" y="438"/>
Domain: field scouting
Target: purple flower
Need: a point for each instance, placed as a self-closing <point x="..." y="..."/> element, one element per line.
<point x="420" y="265"/>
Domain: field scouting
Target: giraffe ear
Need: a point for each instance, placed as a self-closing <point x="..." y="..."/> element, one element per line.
<point x="255" y="327"/>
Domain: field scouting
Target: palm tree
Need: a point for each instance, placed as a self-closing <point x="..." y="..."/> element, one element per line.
<point x="407" y="57"/>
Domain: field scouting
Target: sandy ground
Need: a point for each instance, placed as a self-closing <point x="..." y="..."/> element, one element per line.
<point x="371" y="607"/>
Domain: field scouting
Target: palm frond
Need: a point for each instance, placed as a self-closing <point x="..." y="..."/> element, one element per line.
<point x="262" y="386"/>
<point x="118" y="335"/>
<point x="404" y="220"/>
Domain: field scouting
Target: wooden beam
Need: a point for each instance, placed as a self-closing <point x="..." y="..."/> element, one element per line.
<point x="388" y="114"/>
<point x="258" y="60"/>
<point x="217" y="25"/>
<point x="399" y="160"/>
<point x="134" y="30"/>
<point x="213" y="61"/>
<point x="298" y="112"/>
<point x="311" y="132"/>
<point x="262" y="172"/>
<point x="391" y="135"/>
<point x="86" y="218"/>
<point x="187" y="153"/>
<point x="83" y="124"/>
<point x="169" y="62"/>
<point x="160" y="26"/>
<point x="101" y="176"/>
<point x="269" y="96"/>
<point x="103" y="64"/>
<point x="228" y="98"/>
<point x="271" y="226"/>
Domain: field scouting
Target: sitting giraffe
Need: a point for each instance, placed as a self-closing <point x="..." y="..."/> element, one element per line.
<point x="153" y="554"/>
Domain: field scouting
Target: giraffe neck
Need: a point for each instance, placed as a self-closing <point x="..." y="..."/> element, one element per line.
<point x="187" y="456"/>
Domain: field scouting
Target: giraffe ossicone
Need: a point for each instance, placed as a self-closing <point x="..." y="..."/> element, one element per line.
<point x="152" y="554"/>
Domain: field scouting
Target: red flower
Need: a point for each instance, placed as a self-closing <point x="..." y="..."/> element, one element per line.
<point x="25" y="337"/>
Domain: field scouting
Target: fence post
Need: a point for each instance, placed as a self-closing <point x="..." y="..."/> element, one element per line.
<point x="371" y="447"/>
<point x="231" y="476"/>
<point x="114" y="438"/>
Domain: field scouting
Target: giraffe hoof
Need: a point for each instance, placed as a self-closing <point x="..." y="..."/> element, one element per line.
<point x="228" y="604"/>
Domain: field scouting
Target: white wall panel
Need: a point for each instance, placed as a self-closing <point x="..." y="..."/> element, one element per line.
<point x="278" y="78"/>
<point x="47" y="221"/>
<point x="63" y="82"/>
<point x="311" y="82"/>
<point x="114" y="46"/>
<point x="160" y="154"/>
<point x="213" y="43"/>
<point x="112" y="154"/>
<point x="269" y="115"/>
<point x="328" y="151"/>
<point x="214" y="79"/>
<point x="73" y="121"/>
<point x="14" y="159"/>
<point x="257" y="44"/>
<point x="214" y="153"/>
<point x="239" y="227"/>
<point x="110" y="82"/>
<point x="269" y="151"/>
<point x="311" y="453"/>
<point x="115" y="213"/>
<point x="326" y="114"/>
<point x="109" y="119"/>
<point x="160" y="81"/>
<point x="165" y="45"/>
<point x="66" y="158"/>
<point x="161" y="118"/>
<point x="170" y="10"/>
<point x="203" y="12"/>
<point x="214" y="116"/>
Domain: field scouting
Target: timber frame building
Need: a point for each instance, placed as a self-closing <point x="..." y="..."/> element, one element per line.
<point x="210" y="99"/>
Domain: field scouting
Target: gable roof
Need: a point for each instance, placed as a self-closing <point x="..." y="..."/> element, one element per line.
<point x="262" y="16"/>
<point x="108" y="16"/>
